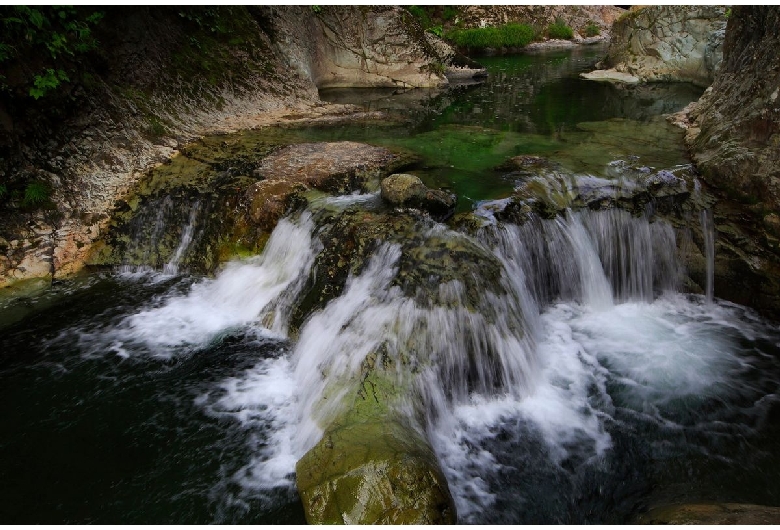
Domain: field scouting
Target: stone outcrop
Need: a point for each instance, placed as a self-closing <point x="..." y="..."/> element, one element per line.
<point x="407" y="190"/>
<point x="668" y="43"/>
<point x="155" y="93"/>
<point x="336" y="168"/>
<point x="576" y="17"/>
<point x="356" y="46"/>
<point x="734" y="138"/>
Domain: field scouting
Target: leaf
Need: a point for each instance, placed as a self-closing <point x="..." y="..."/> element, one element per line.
<point x="37" y="18"/>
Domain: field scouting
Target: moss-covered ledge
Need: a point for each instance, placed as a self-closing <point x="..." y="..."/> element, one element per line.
<point x="372" y="466"/>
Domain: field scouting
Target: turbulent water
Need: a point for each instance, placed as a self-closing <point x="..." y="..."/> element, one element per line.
<point x="584" y="387"/>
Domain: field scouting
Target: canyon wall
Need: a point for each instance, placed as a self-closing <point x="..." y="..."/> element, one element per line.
<point x="668" y="43"/>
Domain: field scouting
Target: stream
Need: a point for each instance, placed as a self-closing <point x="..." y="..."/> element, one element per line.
<point x="152" y="394"/>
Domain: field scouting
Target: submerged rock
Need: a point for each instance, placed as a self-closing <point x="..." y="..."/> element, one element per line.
<point x="610" y="75"/>
<point x="403" y="189"/>
<point x="726" y="513"/>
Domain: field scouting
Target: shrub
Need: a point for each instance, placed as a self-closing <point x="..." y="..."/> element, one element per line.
<point x="559" y="30"/>
<point x="591" y="30"/>
<point x="36" y="194"/>
<point x="509" y="35"/>
<point x="46" y="42"/>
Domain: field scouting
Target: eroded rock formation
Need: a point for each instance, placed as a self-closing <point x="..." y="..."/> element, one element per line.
<point x="669" y="43"/>
<point x="734" y="138"/>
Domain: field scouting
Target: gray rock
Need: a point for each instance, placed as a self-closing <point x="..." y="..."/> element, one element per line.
<point x="669" y="43"/>
<point x="403" y="189"/>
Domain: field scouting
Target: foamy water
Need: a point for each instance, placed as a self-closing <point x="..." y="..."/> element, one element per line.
<point x="248" y="293"/>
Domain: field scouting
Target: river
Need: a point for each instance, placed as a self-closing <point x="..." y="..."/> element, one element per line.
<point x="156" y="395"/>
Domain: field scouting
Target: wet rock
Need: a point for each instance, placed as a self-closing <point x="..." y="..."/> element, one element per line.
<point x="726" y="513"/>
<point x="371" y="465"/>
<point x="733" y="136"/>
<point x="407" y="190"/>
<point x="610" y="75"/>
<point x="337" y="168"/>
<point x="380" y="472"/>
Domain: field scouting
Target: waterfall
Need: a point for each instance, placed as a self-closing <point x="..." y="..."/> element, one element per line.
<point x="172" y="267"/>
<point x="708" y="232"/>
<point x="257" y="292"/>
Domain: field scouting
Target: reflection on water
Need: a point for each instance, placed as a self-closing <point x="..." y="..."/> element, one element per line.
<point x="531" y="104"/>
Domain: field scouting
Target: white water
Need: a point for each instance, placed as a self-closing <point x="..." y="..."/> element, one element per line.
<point x="708" y="231"/>
<point x="188" y="231"/>
<point x="586" y="335"/>
<point x="255" y="292"/>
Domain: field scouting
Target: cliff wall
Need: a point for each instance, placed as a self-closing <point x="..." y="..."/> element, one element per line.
<point x="162" y="77"/>
<point x="734" y="139"/>
<point x="669" y="43"/>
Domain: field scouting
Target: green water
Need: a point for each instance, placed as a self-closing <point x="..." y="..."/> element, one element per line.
<point x="529" y="105"/>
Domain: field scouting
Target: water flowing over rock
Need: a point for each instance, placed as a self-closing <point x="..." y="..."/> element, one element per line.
<point x="733" y="137"/>
<point x="159" y="87"/>
<point x="668" y="43"/>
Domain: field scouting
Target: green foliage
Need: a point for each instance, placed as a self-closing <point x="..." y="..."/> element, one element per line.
<point x="212" y="19"/>
<point x="3" y="191"/>
<point x="508" y="35"/>
<point x="591" y="30"/>
<point x="46" y="42"/>
<point x="449" y="13"/>
<point x="728" y="12"/>
<point x="421" y="15"/>
<point x="36" y="194"/>
<point x="559" y="30"/>
<point x="50" y="80"/>
<point x="436" y="30"/>
<point x="316" y="9"/>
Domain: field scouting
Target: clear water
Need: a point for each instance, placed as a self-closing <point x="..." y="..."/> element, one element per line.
<point x="152" y="397"/>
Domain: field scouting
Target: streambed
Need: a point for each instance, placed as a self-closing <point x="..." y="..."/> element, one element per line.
<point x="155" y="395"/>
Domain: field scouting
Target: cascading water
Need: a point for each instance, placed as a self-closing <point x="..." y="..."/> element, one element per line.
<point x="187" y="233"/>
<point x="557" y="372"/>
<point x="708" y="231"/>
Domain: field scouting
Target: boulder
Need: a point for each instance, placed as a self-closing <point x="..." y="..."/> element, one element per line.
<point x="335" y="167"/>
<point x="668" y="43"/>
<point x="403" y="189"/>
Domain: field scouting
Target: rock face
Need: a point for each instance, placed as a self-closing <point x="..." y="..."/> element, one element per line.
<point x="153" y="93"/>
<point x="577" y="17"/>
<point x="669" y="43"/>
<point x="734" y="139"/>
<point x="354" y="46"/>
<point x="408" y="190"/>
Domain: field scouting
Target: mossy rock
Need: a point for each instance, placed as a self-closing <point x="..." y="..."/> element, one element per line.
<point x="380" y="472"/>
